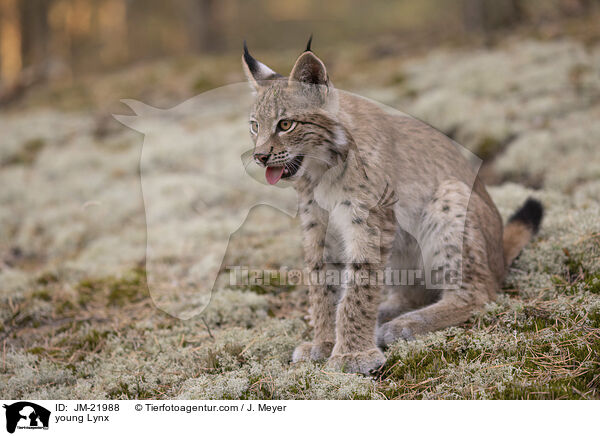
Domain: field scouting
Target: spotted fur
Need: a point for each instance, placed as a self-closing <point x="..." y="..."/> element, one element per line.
<point x="378" y="190"/>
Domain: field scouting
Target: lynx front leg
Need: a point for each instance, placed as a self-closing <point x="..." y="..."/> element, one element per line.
<point x="368" y="244"/>
<point x="322" y="298"/>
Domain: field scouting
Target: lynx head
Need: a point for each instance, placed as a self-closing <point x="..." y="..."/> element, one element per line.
<point x="293" y="119"/>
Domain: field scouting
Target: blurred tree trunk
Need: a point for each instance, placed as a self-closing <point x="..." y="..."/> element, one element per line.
<point x="486" y="16"/>
<point x="112" y="31"/>
<point x="23" y="46"/>
<point x="576" y="7"/>
<point x="34" y="25"/>
<point x="11" y="61"/>
<point x="205" y="26"/>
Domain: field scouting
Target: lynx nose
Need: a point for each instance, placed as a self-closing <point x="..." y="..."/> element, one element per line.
<point x="262" y="157"/>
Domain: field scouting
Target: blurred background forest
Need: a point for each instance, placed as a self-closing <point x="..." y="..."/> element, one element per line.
<point x="52" y="40"/>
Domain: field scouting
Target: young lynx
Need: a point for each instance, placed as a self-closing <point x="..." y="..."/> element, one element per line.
<point x="378" y="191"/>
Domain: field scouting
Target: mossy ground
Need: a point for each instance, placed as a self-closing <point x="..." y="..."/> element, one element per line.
<point x="105" y="339"/>
<point x="78" y="320"/>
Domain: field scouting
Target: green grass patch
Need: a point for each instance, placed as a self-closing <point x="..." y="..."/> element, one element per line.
<point x="269" y="282"/>
<point x="28" y="152"/>
<point x="130" y="288"/>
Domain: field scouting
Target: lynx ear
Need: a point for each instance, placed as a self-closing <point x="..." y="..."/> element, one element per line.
<point x="256" y="71"/>
<point x="309" y="69"/>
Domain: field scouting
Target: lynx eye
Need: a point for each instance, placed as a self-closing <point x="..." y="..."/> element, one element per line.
<point x="253" y="127"/>
<point x="286" y="125"/>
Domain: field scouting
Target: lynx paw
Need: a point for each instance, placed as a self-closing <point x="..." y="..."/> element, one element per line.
<point x="363" y="362"/>
<point x="310" y="351"/>
<point x="398" y="328"/>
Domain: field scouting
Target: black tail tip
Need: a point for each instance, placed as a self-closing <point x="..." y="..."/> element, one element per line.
<point x="530" y="214"/>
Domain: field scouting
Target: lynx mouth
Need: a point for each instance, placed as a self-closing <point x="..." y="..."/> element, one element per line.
<point x="287" y="170"/>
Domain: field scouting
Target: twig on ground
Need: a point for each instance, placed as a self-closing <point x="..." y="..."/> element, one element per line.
<point x="207" y="328"/>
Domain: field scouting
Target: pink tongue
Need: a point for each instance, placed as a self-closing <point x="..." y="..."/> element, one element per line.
<point x="273" y="174"/>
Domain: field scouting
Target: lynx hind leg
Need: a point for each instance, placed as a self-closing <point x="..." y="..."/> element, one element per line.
<point x="456" y="248"/>
<point x="405" y="292"/>
<point x="455" y="307"/>
<point x="402" y="299"/>
<point x="393" y="306"/>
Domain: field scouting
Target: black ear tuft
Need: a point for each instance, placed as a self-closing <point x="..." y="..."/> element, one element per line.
<point x="250" y="61"/>
<point x="256" y="71"/>
<point x="309" y="43"/>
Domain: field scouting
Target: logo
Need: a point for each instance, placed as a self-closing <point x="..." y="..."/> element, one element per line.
<point x="26" y="415"/>
<point x="218" y="184"/>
